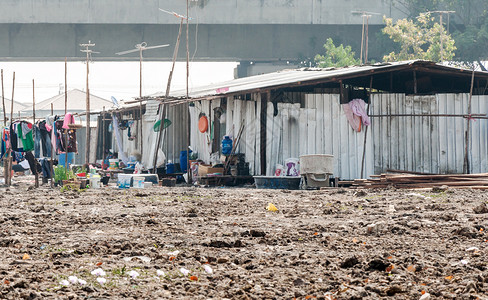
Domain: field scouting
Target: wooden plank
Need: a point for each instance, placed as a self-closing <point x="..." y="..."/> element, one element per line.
<point x="303" y="136"/>
<point x="285" y="119"/>
<point x="320" y="128"/>
<point x="269" y="138"/>
<point x="257" y="130"/>
<point x="294" y="130"/>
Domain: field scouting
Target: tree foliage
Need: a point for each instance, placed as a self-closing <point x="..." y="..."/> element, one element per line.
<point x="423" y="39"/>
<point x="468" y="24"/>
<point x="336" y="56"/>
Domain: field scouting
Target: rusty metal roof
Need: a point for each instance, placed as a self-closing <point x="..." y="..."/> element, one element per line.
<point x="313" y="76"/>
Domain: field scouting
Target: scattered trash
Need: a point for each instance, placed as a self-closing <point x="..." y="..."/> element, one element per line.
<point x="133" y="274"/>
<point x="160" y="273"/>
<point x="98" y="272"/>
<point x="73" y="279"/>
<point x="193" y="278"/>
<point x="391" y="208"/>
<point x="64" y="282"/>
<point x="26" y="256"/>
<point x="42" y="247"/>
<point x="142" y="258"/>
<point x="473" y="249"/>
<point x="174" y="253"/>
<point x="425" y="296"/>
<point x="184" y="271"/>
<point x="464" y="262"/>
<point x="101" y="280"/>
<point x="271" y="207"/>
<point x="208" y="269"/>
<point x="415" y="195"/>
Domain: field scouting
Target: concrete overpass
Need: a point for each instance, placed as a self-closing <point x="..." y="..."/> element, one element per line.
<point x="221" y="30"/>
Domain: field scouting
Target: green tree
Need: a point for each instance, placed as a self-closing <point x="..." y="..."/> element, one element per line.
<point x="423" y="39"/>
<point x="336" y="56"/>
<point x="468" y="24"/>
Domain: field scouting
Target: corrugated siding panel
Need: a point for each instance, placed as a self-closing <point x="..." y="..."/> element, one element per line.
<point x="319" y="128"/>
<point x="428" y="144"/>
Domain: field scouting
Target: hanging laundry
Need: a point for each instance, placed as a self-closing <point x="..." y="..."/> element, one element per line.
<point x="354" y="120"/>
<point x="358" y="108"/>
<point x="68" y="119"/>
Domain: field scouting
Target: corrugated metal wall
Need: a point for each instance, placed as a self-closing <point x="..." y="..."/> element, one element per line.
<point x="428" y="144"/>
<point x="319" y="128"/>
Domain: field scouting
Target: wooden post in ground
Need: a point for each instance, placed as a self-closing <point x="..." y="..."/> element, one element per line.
<point x="5" y="158"/>
<point x="65" y="112"/>
<point x="51" y="163"/>
<point x="36" y="180"/>
<point x="103" y="136"/>
<point x="9" y="170"/>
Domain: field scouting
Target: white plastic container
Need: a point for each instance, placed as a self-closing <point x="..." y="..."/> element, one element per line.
<point x="138" y="182"/>
<point x="123" y="181"/>
<point x="95" y="181"/>
<point x="316" y="169"/>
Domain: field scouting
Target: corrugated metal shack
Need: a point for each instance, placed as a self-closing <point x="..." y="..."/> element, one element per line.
<point x="420" y="112"/>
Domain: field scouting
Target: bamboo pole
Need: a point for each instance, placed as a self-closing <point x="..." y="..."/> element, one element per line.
<point x="36" y="179"/>
<point x="366" y="129"/>
<point x="65" y="112"/>
<point x="188" y="174"/>
<point x="11" y="120"/>
<point x="5" y="158"/>
<point x="87" y="154"/>
<point x="51" y="163"/>
<point x="103" y="136"/>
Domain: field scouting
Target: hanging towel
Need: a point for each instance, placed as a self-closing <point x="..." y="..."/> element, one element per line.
<point x="354" y="120"/>
<point x="68" y="119"/>
<point x="358" y="108"/>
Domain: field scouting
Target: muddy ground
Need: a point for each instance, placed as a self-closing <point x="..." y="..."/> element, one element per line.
<point x="201" y="243"/>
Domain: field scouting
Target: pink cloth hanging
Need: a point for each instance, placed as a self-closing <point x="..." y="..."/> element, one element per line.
<point x="68" y="119"/>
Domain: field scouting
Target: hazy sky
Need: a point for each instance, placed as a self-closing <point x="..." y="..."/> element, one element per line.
<point x="118" y="79"/>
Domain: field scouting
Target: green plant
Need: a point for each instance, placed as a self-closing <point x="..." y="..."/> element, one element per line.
<point x="336" y="56"/>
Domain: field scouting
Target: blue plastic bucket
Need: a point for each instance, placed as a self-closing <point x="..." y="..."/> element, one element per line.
<point x="170" y="168"/>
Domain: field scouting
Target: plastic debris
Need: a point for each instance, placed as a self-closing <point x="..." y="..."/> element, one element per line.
<point x="26" y="256"/>
<point x="160" y="273"/>
<point x="145" y="259"/>
<point x="73" y="279"/>
<point x="208" y="269"/>
<point x="184" y="271"/>
<point x="174" y="253"/>
<point x="64" y="282"/>
<point x="98" y="272"/>
<point x="464" y="262"/>
<point x="101" y="280"/>
<point x="271" y="207"/>
<point x="473" y="249"/>
<point x="133" y="274"/>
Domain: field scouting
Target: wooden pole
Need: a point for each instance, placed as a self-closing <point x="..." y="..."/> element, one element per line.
<point x="140" y="126"/>
<point x="366" y="129"/>
<point x="466" y="168"/>
<point x="188" y="174"/>
<point x="11" y="120"/>
<point x="36" y="180"/>
<point x="103" y="136"/>
<point x="6" y="156"/>
<point x="65" y="112"/>
<point x="362" y="44"/>
<point x="175" y="54"/>
<point x="163" y="106"/>
<point x="3" y="104"/>
<point x="87" y="154"/>
<point x="51" y="163"/>
<point x="367" y="39"/>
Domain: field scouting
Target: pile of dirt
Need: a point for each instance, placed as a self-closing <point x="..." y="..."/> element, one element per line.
<point x="222" y="243"/>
